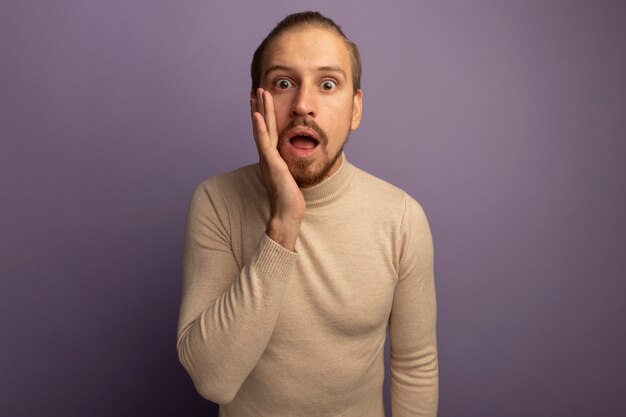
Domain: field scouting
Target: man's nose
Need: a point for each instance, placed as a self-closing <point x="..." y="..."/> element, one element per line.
<point x="304" y="103"/>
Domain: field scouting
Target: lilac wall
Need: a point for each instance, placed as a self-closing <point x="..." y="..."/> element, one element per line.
<point x="507" y="120"/>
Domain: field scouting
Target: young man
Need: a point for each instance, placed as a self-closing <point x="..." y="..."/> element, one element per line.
<point x="295" y="266"/>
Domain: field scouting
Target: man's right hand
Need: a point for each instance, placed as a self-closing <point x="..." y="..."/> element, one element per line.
<point x="287" y="204"/>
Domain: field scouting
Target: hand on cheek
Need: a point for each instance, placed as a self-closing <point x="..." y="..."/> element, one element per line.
<point x="285" y="199"/>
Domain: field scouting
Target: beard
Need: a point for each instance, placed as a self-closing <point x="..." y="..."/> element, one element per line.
<point x="307" y="176"/>
<point x="304" y="171"/>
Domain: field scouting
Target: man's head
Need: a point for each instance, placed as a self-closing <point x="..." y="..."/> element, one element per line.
<point x="313" y="74"/>
<point x="296" y="21"/>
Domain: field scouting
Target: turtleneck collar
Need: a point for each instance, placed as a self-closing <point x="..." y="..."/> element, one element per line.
<point x="332" y="187"/>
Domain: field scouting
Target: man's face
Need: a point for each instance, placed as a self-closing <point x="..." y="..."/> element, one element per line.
<point x="308" y="72"/>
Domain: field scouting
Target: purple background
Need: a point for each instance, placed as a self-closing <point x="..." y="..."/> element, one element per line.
<point x="506" y="120"/>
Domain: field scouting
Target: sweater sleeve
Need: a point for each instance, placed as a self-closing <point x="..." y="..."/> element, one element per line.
<point x="227" y="312"/>
<point x="412" y="326"/>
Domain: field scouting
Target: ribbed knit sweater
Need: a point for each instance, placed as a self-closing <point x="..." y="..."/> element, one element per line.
<point x="264" y="331"/>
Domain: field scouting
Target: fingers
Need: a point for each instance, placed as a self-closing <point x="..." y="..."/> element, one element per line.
<point x="259" y="101"/>
<point x="259" y="129"/>
<point x="260" y="133"/>
<point x="270" y="118"/>
<point x="263" y="104"/>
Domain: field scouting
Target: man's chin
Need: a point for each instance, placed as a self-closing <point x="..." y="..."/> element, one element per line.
<point x="307" y="174"/>
<point x="307" y="177"/>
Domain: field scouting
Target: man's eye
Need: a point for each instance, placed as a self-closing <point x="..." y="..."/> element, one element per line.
<point x="328" y="85"/>
<point x="283" y="84"/>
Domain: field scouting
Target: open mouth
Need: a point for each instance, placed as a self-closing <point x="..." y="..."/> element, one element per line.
<point x="303" y="142"/>
<point x="303" y="138"/>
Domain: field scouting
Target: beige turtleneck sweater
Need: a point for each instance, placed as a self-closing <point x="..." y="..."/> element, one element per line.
<point x="268" y="332"/>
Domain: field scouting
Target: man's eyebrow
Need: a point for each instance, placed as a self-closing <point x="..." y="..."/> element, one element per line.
<point x="328" y="68"/>
<point x="276" y="68"/>
<point x="331" y="68"/>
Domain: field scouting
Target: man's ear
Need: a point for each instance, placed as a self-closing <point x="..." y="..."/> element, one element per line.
<point x="357" y="109"/>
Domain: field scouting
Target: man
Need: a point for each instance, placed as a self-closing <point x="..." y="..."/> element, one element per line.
<point x="295" y="266"/>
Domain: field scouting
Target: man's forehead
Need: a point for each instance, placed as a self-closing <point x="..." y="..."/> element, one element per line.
<point x="312" y="47"/>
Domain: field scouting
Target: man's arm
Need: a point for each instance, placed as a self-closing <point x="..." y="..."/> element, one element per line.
<point x="227" y="316"/>
<point x="412" y="325"/>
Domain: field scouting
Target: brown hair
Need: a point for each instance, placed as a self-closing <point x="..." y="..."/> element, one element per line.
<point x="295" y="21"/>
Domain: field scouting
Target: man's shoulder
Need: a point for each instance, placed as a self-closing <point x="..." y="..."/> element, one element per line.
<point x="241" y="184"/>
<point x="241" y="178"/>
<point x="378" y="188"/>
<point x="385" y="196"/>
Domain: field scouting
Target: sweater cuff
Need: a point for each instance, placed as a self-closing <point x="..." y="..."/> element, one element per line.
<point x="272" y="261"/>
